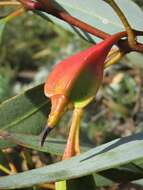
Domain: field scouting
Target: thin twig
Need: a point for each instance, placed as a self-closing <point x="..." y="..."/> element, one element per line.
<point x="128" y="28"/>
<point x="49" y="7"/>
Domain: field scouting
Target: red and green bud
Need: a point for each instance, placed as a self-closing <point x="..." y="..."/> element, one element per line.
<point x="76" y="79"/>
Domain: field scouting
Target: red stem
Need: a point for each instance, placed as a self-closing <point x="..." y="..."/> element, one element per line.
<point x="47" y="6"/>
<point x="82" y="25"/>
<point x="50" y="9"/>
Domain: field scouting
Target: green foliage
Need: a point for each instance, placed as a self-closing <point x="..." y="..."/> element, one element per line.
<point x="94" y="13"/>
<point x="35" y="47"/>
<point x="6" y="76"/>
<point x="29" y="113"/>
<point x="111" y="155"/>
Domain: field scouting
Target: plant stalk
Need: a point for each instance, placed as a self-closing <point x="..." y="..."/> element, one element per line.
<point x="128" y="28"/>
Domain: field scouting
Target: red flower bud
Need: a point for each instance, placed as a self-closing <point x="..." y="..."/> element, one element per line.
<point x="76" y="79"/>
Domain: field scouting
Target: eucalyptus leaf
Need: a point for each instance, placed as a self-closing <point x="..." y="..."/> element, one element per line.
<point x="135" y="60"/>
<point x="111" y="155"/>
<point x="138" y="182"/>
<point x="56" y="147"/>
<point x="99" y="14"/>
<point x="51" y="145"/>
<point x="25" y="113"/>
<point x="6" y="144"/>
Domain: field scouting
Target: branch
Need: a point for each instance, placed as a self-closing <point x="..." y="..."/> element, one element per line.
<point x="50" y="8"/>
<point x="47" y="6"/>
<point x="128" y="28"/>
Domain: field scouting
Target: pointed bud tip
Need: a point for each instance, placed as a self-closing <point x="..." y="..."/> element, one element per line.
<point x="44" y="134"/>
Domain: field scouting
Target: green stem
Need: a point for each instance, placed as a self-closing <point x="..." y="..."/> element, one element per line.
<point x="128" y="28"/>
<point x="61" y="185"/>
<point x="72" y="146"/>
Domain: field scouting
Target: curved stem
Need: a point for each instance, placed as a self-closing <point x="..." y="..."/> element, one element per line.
<point x="128" y="28"/>
<point x="49" y="7"/>
<point x="72" y="147"/>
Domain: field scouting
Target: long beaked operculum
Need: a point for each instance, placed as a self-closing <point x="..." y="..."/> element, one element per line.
<point x="59" y="103"/>
<point x="44" y="134"/>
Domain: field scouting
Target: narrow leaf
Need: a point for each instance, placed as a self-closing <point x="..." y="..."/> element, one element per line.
<point x="116" y="153"/>
<point x="97" y="13"/>
<point x="51" y="145"/>
<point x="6" y="144"/>
<point x="26" y="113"/>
